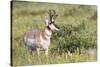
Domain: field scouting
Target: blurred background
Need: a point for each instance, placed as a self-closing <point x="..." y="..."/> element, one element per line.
<point x="75" y="42"/>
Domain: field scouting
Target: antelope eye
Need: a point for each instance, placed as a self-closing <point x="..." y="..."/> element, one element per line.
<point x="51" y="23"/>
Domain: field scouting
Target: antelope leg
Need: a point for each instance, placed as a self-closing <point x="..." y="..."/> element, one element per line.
<point x="38" y="51"/>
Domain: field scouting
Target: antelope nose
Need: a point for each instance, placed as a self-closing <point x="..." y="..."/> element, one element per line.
<point x="57" y="29"/>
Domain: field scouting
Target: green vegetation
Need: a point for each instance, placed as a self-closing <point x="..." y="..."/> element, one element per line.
<point x="75" y="42"/>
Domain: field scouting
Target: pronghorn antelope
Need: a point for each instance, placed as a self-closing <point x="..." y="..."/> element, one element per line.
<point x="40" y="39"/>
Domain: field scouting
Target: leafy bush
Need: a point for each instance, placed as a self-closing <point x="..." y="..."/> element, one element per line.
<point x="72" y="38"/>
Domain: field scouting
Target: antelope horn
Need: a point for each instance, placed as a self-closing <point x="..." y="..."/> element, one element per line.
<point x="50" y="14"/>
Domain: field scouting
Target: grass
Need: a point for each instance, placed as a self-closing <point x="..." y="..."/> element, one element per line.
<point x="75" y="42"/>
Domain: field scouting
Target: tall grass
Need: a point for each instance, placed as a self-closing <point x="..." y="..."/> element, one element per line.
<point x="75" y="42"/>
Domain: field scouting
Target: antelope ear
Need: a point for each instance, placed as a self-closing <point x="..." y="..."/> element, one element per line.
<point x="56" y="15"/>
<point x="47" y="20"/>
<point x="53" y="18"/>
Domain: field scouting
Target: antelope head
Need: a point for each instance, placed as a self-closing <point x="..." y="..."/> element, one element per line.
<point x="50" y="20"/>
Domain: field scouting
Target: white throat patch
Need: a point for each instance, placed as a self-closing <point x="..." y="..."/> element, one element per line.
<point x="48" y="32"/>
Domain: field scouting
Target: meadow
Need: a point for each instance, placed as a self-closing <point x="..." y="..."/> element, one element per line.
<point x="75" y="42"/>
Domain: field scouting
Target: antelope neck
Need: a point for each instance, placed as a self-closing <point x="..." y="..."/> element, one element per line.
<point x="48" y="32"/>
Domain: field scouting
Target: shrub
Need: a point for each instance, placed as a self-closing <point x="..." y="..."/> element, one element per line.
<point x="72" y="38"/>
